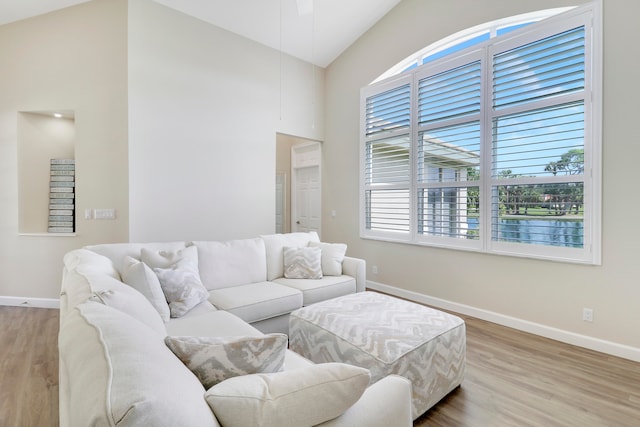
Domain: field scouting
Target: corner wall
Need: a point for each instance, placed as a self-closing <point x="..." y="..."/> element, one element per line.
<point x="71" y="59"/>
<point x="205" y="106"/>
<point x="550" y="295"/>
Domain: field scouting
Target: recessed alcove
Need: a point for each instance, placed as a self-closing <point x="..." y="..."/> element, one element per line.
<point x="42" y="136"/>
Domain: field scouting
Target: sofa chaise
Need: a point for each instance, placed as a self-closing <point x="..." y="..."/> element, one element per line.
<point x="136" y="319"/>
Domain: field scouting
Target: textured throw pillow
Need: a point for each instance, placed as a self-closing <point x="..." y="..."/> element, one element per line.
<point x="214" y="359"/>
<point x="140" y="277"/>
<point x="332" y="257"/>
<point x="165" y="259"/>
<point x="181" y="286"/>
<point x="299" y="397"/>
<point x="303" y="263"/>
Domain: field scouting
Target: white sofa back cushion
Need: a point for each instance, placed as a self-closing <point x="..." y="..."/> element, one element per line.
<point x="232" y="263"/>
<point x="115" y="294"/>
<point x="85" y="261"/>
<point x="274" y="245"/>
<point x="134" y="379"/>
<point x="116" y="252"/>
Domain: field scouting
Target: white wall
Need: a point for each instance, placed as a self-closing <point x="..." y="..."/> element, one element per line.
<point x="540" y="295"/>
<point x="72" y="59"/>
<point x="204" y="109"/>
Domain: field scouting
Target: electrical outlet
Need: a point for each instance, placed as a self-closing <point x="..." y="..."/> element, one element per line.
<point x="587" y="314"/>
<point x="374" y="269"/>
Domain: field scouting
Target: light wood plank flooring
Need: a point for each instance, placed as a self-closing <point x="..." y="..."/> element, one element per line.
<point x="28" y="367"/>
<point x="517" y="379"/>
<point x="512" y="379"/>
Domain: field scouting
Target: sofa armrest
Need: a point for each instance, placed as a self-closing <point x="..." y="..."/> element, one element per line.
<point x="385" y="403"/>
<point x="356" y="267"/>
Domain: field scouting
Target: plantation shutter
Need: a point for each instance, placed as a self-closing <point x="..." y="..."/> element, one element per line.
<point x="387" y="160"/>
<point x="540" y="70"/>
<point x="538" y="142"/>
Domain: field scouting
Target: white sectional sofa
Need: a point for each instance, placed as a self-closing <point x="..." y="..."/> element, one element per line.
<point x="116" y="367"/>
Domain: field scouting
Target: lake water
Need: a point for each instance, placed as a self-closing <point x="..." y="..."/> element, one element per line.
<point x="550" y="232"/>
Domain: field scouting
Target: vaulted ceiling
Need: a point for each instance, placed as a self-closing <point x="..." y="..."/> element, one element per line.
<point x="314" y="31"/>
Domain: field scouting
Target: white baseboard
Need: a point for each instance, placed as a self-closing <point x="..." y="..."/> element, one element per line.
<point x="30" y="302"/>
<point x="596" y="344"/>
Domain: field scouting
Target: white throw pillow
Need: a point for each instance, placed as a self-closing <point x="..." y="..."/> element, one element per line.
<point x="303" y="263"/>
<point x="182" y="286"/>
<point x="299" y="397"/>
<point x="215" y="359"/>
<point x="165" y="259"/>
<point x="332" y="257"/>
<point x="140" y="277"/>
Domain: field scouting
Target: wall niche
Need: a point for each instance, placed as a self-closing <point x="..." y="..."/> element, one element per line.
<point x="43" y="136"/>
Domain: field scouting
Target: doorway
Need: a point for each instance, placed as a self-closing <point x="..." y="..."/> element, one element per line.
<point x="306" y="187"/>
<point x="298" y="191"/>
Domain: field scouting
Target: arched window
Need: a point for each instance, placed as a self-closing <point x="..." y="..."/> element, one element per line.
<point x="490" y="140"/>
<point x="466" y="38"/>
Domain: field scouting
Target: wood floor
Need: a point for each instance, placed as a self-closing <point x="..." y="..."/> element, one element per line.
<point x="512" y="379"/>
<point x="28" y="367"/>
<point x="517" y="379"/>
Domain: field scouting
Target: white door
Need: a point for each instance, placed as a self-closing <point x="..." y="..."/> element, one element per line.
<point x="306" y="191"/>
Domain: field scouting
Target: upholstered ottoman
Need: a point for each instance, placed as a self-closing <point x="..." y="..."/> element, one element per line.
<point x="388" y="336"/>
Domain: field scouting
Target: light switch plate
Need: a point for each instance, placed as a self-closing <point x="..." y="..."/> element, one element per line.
<point x="105" y="214"/>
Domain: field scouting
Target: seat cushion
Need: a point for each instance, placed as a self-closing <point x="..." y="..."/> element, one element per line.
<point x="257" y="301"/>
<point x="328" y="287"/>
<point x="216" y="323"/>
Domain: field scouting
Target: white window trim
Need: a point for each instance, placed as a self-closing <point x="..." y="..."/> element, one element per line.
<point x="589" y="15"/>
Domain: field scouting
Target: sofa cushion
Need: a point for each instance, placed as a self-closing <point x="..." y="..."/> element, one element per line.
<point x="139" y="276"/>
<point x="328" y="287"/>
<point x="85" y="262"/>
<point x="332" y="257"/>
<point x="300" y="397"/>
<point x="257" y="301"/>
<point x="181" y="286"/>
<point x="217" y="323"/>
<point x="155" y="258"/>
<point x="117" y="251"/>
<point x="112" y="292"/>
<point x="274" y="246"/>
<point x="236" y="262"/>
<point x="120" y="373"/>
<point x="215" y="359"/>
<point x="302" y="263"/>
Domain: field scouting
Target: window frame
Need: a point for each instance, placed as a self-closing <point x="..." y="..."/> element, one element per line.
<point x="589" y="16"/>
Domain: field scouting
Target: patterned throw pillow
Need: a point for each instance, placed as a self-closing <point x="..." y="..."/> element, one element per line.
<point x="303" y="263"/>
<point x="214" y="359"/>
<point x="182" y="286"/>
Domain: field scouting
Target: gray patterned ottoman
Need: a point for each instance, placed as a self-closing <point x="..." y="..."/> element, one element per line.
<point x="388" y="336"/>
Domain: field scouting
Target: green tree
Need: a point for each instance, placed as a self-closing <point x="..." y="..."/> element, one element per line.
<point x="570" y="163"/>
